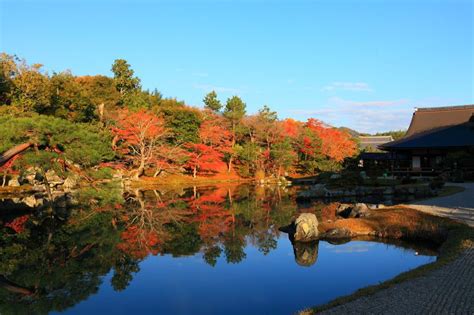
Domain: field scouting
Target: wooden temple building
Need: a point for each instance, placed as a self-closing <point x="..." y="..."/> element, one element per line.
<point x="439" y="139"/>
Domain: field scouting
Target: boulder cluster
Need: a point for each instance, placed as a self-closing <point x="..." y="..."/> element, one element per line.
<point x="35" y="178"/>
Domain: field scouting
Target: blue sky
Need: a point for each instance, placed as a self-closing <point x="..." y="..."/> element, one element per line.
<point x="361" y="64"/>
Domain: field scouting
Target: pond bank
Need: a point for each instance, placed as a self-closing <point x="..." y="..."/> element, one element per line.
<point x="446" y="290"/>
<point x="441" y="287"/>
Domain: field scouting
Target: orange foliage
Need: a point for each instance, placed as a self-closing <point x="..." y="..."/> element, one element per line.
<point x="211" y="215"/>
<point x="138" y="242"/>
<point x="142" y="134"/>
<point x="213" y="133"/>
<point x="335" y="144"/>
<point x="291" y="128"/>
<point x="140" y="127"/>
<point x="203" y="159"/>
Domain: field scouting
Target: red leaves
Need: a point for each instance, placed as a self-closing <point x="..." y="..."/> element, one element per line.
<point x="335" y="144"/>
<point x="213" y="133"/>
<point x="18" y="224"/>
<point x="138" y="127"/>
<point x="211" y="215"/>
<point x="203" y="158"/>
<point x="138" y="243"/>
<point x="142" y="138"/>
<point x="291" y="128"/>
<point x="8" y="166"/>
<point x="141" y="134"/>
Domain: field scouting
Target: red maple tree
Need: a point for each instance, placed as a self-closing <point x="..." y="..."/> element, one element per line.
<point x="141" y="133"/>
<point x="203" y="159"/>
<point x="335" y="144"/>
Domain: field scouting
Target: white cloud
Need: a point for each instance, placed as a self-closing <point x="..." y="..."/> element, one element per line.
<point x="343" y="102"/>
<point x="348" y="86"/>
<point x="218" y="89"/>
<point x="363" y="116"/>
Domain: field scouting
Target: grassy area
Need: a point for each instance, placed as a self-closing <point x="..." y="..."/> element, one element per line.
<point x="183" y="181"/>
<point x="458" y="238"/>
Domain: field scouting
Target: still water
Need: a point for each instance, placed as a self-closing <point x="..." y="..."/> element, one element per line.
<point x="216" y="250"/>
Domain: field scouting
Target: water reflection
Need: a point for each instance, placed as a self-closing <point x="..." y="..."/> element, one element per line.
<point x="306" y="253"/>
<point x="52" y="261"/>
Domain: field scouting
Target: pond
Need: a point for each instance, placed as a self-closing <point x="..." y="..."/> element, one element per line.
<point x="213" y="250"/>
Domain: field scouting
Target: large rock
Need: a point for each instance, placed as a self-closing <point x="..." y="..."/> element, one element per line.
<point x="359" y="210"/>
<point x="71" y="182"/>
<point x="53" y="179"/>
<point x="30" y="201"/>
<point x="14" y="182"/>
<point x="337" y="233"/>
<point x="32" y="176"/>
<point x="306" y="228"/>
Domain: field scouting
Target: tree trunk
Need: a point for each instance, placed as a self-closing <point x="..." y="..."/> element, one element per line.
<point x="229" y="166"/>
<point x="13" y="287"/>
<point x="7" y="155"/>
<point x="141" y="168"/>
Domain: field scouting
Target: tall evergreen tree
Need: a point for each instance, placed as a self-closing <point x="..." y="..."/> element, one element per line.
<point x="211" y="102"/>
<point x="125" y="82"/>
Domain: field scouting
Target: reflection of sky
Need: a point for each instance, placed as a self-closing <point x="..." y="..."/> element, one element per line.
<point x="259" y="284"/>
<point x="351" y="247"/>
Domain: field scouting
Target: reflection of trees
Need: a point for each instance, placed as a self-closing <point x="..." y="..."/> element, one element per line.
<point x="211" y="221"/>
<point x="211" y="254"/>
<point x="56" y="264"/>
<point x="49" y="263"/>
<point x="146" y="223"/>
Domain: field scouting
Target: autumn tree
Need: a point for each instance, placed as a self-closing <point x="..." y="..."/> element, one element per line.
<point x="290" y="128"/>
<point x="203" y="158"/>
<point x="211" y="102"/>
<point x="335" y="144"/>
<point x="141" y="133"/>
<point x="213" y="133"/>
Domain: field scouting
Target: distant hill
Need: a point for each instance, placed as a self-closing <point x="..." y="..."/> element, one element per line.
<point x="396" y="134"/>
<point x="350" y="131"/>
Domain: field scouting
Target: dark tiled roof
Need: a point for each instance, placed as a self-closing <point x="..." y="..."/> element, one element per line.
<point x="425" y="119"/>
<point x="457" y="136"/>
<point x="438" y="127"/>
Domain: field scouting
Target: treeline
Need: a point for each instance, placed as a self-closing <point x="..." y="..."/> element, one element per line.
<point x="114" y="122"/>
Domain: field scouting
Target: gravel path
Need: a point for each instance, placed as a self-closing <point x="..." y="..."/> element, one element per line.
<point x="459" y="206"/>
<point x="448" y="290"/>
